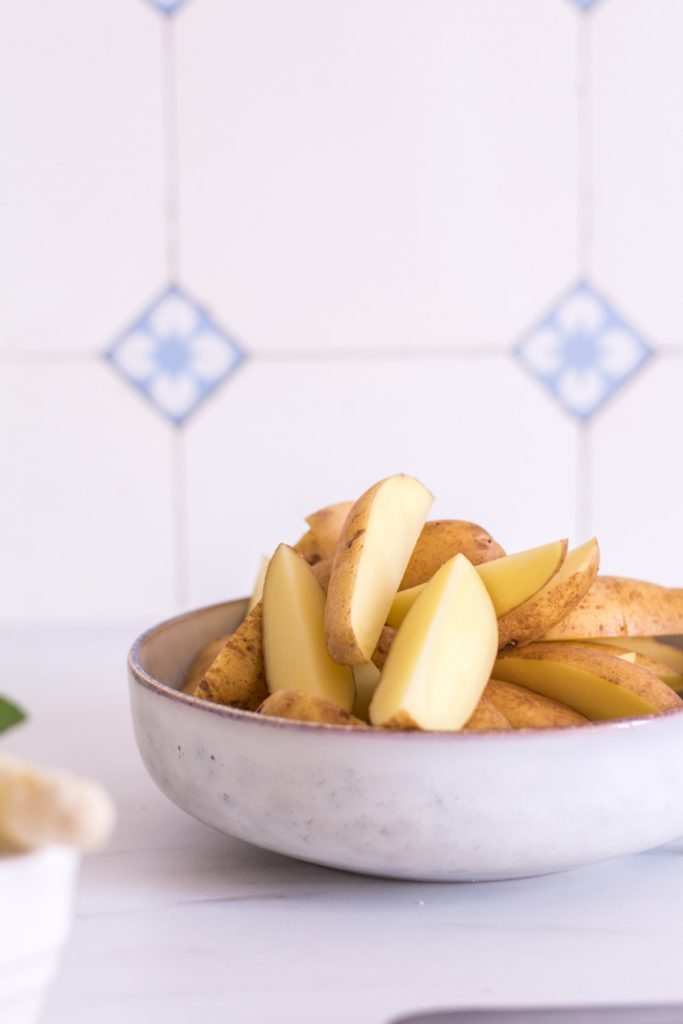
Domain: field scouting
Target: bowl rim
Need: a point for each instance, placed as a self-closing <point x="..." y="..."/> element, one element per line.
<point x="143" y="678"/>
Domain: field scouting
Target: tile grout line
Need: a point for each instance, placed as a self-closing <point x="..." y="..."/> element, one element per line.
<point x="583" y="475"/>
<point x="179" y="517"/>
<point x="584" y="246"/>
<point x="170" y="130"/>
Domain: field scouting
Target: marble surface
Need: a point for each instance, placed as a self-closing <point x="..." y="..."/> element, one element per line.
<point x="174" y="920"/>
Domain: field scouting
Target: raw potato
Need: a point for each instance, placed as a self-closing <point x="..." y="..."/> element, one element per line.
<point x="237" y="677"/>
<point x="535" y="617"/>
<point x="202" y="661"/>
<point x="320" y="541"/>
<point x="440" y="540"/>
<point x="663" y="659"/>
<point x="322" y="572"/>
<point x="486" y="717"/>
<point x="510" y="581"/>
<point x="525" y="709"/>
<point x="441" y="657"/>
<point x="372" y="553"/>
<point x="294" y="646"/>
<point x="593" y="682"/>
<point x="366" y="678"/>
<point x="39" y="807"/>
<point x="305" y="707"/>
<point x="615" y="606"/>
<point x="257" y="592"/>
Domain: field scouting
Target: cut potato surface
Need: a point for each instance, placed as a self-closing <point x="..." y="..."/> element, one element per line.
<point x="440" y="540"/>
<point x="296" y="657"/>
<point x="257" y="592"/>
<point x="616" y="606"/>
<point x="525" y="709"/>
<point x="593" y="682"/>
<point x="366" y="678"/>
<point x="441" y="657"/>
<point x="535" y="617"/>
<point x="372" y="552"/>
<point x="660" y="651"/>
<point x="510" y="580"/>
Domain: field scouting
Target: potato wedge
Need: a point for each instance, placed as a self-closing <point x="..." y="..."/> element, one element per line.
<point x="510" y="580"/>
<point x="441" y="657"/>
<point x="615" y="606"/>
<point x="661" y="658"/>
<point x="534" y="618"/>
<point x="440" y="540"/>
<point x="373" y="550"/>
<point x="381" y="651"/>
<point x="237" y="676"/>
<point x="366" y="678"/>
<point x="306" y="707"/>
<point x="294" y="633"/>
<point x="593" y="682"/>
<point x="206" y="657"/>
<point x="486" y="717"/>
<point x="525" y="709"/>
<point x="322" y="572"/>
<point x="320" y="540"/>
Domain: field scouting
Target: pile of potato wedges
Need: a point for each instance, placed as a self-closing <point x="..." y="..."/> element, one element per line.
<point x="380" y="618"/>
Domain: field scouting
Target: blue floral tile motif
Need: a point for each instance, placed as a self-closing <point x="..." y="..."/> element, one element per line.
<point x="175" y="354"/>
<point x="582" y="351"/>
<point x="167" y="6"/>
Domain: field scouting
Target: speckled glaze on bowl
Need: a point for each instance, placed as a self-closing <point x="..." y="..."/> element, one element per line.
<point x="427" y="806"/>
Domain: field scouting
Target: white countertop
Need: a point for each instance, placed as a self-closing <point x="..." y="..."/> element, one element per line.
<point x="175" y="921"/>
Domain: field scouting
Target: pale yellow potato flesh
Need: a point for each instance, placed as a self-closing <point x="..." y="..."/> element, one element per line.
<point x="595" y="683"/>
<point x="257" y="592"/>
<point x="440" y="540"/>
<point x="441" y="657"/>
<point x="237" y="675"/>
<point x="366" y="678"/>
<point x="553" y="602"/>
<point x="510" y="580"/>
<point x="296" y="656"/>
<point x="486" y="717"/>
<point x="372" y="552"/>
<point x="305" y="707"/>
<point x="320" y="540"/>
<point x="658" y="650"/>
<point x="616" y="606"/>
<point x="525" y="709"/>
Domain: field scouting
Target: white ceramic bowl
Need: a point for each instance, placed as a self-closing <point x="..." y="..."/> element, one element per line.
<point x="36" y="896"/>
<point x="416" y="805"/>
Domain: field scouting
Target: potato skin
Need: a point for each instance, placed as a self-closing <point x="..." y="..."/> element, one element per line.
<point x="439" y="540"/>
<point x="237" y="677"/>
<point x="320" y="540"/>
<point x="525" y="709"/>
<point x="616" y="606"/>
<point x="305" y="707"/>
<point x="608" y="666"/>
<point x="206" y="657"/>
<point x="486" y="717"/>
<point x="533" y="619"/>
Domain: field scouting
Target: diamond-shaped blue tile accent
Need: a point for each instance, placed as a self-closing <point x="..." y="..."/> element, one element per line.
<point x="167" y="6"/>
<point x="582" y="351"/>
<point x="175" y="354"/>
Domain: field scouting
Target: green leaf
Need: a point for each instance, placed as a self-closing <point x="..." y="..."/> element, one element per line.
<point x="10" y="714"/>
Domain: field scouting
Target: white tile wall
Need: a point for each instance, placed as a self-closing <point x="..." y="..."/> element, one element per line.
<point x="374" y="201"/>
<point x="297" y="435"/>
<point x="378" y="173"/>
